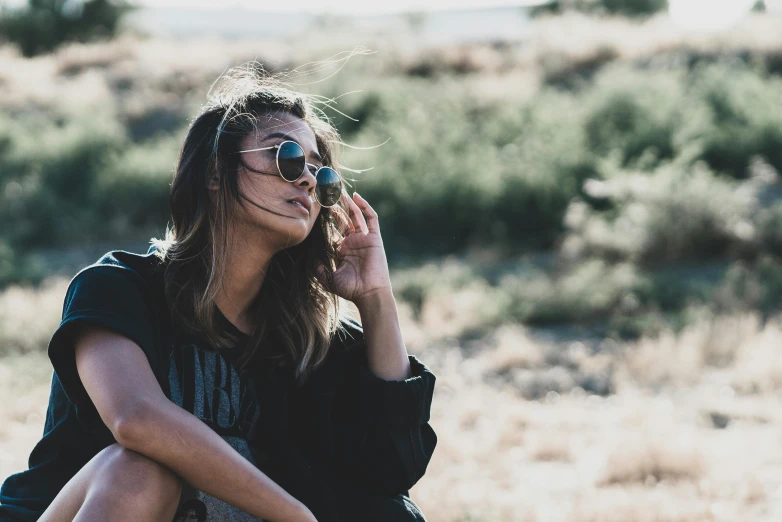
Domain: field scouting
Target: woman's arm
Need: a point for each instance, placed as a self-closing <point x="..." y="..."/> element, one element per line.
<point x="380" y="423"/>
<point x="117" y="377"/>
<point x="387" y="355"/>
<point x="378" y="429"/>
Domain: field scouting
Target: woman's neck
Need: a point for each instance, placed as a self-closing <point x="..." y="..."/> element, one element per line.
<point x="247" y="263"/>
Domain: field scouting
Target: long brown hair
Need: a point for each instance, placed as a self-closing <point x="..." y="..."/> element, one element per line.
<point x="294" y="315"/>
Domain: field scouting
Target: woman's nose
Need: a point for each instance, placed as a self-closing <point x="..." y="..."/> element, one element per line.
<point x="307" y="180"/>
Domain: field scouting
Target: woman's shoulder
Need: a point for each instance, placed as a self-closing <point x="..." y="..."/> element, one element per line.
<point x="119" y="281"/>
<point x="140" y="263"/>
<point x="145" y="269"/>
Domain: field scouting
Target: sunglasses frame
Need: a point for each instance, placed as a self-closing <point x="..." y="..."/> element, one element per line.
<point x="277" y="162"/>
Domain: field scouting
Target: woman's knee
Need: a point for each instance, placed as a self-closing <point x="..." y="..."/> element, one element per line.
<point x="131" y="475"/>
<point x="116" y="478"/>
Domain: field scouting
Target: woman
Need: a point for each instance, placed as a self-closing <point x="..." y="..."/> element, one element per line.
<point x="217" y="377"/>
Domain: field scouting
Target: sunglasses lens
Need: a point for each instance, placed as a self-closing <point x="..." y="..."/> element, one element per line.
<point x="329" y="187"/>
<point x="290" y="159"/>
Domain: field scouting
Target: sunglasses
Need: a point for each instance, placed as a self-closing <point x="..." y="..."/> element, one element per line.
<point x="291" y="164"/>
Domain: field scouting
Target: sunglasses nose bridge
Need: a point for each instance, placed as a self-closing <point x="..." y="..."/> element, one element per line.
<point x="308" y="176"/>
<point x="289" y="154"/>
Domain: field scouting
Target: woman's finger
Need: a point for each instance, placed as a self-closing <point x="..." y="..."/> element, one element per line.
<point x="371" y="215"/>
<point x="356" y="216"/>
<point x="342" y="218"/>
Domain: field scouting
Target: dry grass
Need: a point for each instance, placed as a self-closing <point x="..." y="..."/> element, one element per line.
<point x="452" y="312"/>
<point x="578" y="38"/>
<point x="24" y="393"/>
<point x="634" y="505"/>
<point x="514" y="349"/>
<point x="29" y="316"/>
<point x="758" y="364"/>
<point x="653" y="459"/>
<point x="552" y="447"/>
<point x="645" y="454"/>
<point x="742" y="346"/>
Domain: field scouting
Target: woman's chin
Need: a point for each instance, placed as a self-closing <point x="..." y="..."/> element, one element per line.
<point x="295" y="235"/>
<point x="282" y="232"/>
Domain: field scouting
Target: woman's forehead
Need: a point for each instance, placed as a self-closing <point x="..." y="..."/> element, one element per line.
<point x="278" y="127"/>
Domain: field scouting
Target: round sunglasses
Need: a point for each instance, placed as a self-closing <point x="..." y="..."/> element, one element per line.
<point x="291" y="163"/>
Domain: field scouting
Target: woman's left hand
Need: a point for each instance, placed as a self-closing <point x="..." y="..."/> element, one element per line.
<point x="362" y="269"/>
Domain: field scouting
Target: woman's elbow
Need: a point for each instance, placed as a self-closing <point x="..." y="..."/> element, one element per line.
<point x="133" y="425"/>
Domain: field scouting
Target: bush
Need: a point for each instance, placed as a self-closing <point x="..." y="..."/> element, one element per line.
<point x="739" y="117"/>
<point x="676" y="213"/>
<point x="52" y="168"/>
<point x="589" y="291"/>
<point x="43" y="25"/>
<point x="632" y="8"/>
<point x="634" y="114"/>
<point x="604" y="170"/>
<point x="131" y="195"/>
<point x="474" y="172"/>
<point x="81" y="181"/>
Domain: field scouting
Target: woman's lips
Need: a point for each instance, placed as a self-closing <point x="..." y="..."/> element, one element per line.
<point x="299" y="206"/>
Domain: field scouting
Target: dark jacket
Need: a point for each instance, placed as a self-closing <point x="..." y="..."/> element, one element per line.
<point x="345" y="431"/>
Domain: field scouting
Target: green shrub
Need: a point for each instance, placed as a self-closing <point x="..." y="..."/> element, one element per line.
<point x="770" y="228"/>
<point x="751" y="285"/>
<point x="632" y="8"/>
<point x="457" y="171"/>
<point x="634" y="114"/>
<point x="652" y="166"/>
<point x="81" y="181"/>
<point x="43" y="25"/>
<point x="53" y="166"/>
<point x="678" y="212"/>
<point x="589" y="291"/>
<point x="131" y="194"/>
<point x="741" y="120"/>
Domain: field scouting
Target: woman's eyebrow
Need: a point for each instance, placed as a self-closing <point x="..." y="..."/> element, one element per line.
<point x="315" y="154"/>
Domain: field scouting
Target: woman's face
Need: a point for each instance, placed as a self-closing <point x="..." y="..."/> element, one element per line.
<point x="278" y="220"/>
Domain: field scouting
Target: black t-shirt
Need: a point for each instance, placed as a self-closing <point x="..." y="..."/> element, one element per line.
<point x="344" y="432"/>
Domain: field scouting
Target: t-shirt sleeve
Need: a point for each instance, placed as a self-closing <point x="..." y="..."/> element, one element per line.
<point x="382" y="433"/>
<point x="103" y="295"/>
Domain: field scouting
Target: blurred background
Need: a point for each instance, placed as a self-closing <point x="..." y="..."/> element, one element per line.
<point x="580" y="200"/>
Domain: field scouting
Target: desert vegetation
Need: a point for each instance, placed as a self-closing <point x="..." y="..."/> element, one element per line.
<point x="583" y="226"/>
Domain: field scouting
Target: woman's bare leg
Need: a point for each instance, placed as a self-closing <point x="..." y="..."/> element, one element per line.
<point x="117" y="484"/>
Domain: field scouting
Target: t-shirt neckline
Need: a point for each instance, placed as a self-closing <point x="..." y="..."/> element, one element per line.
<point x="229" y="325"/>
